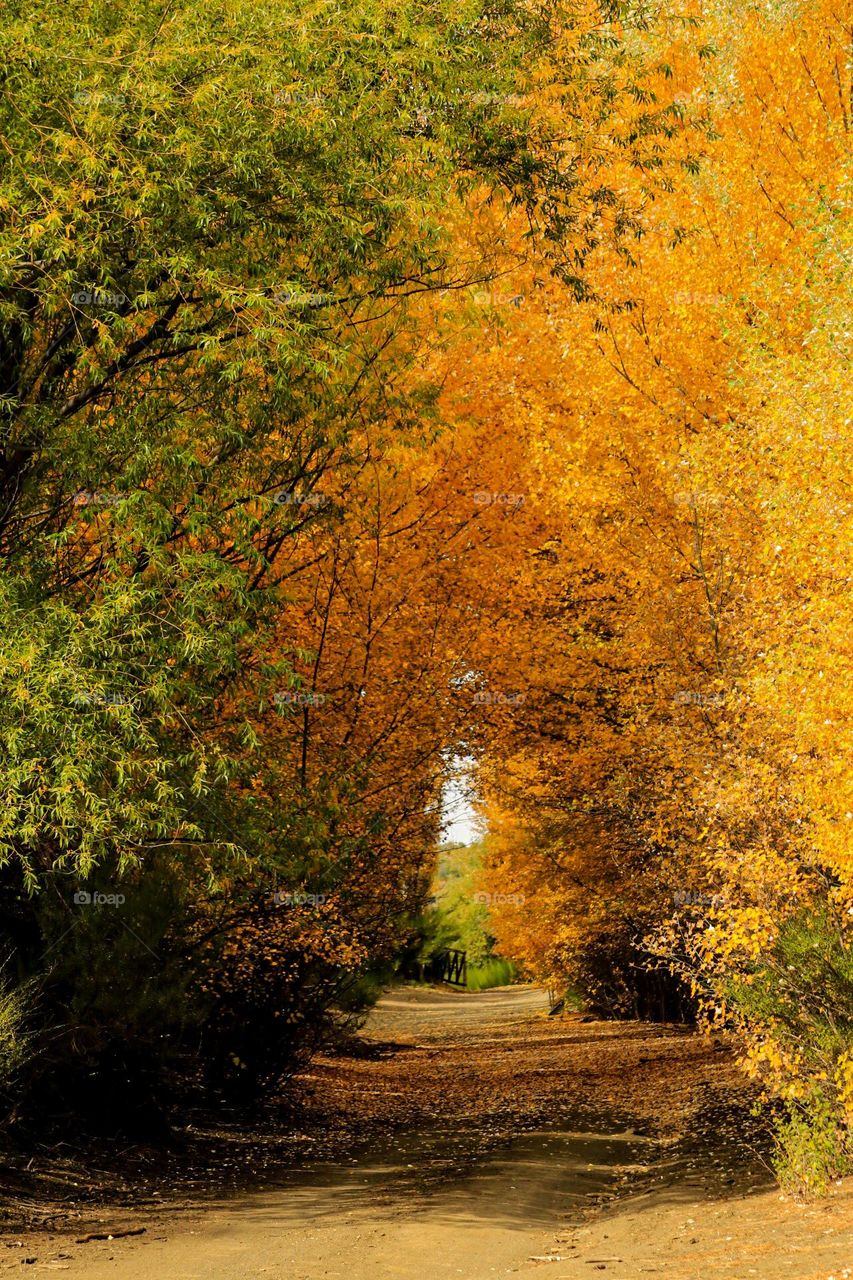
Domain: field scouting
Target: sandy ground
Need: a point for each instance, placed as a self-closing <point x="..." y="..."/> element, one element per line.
<point x="503" y="1143"/>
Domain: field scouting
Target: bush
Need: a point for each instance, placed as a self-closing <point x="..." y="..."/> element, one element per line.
<point x="15" y="1038"/>
<point x="114" y="1017"/>
<point x="795" y="1004"/>
<point x="812" y="1148"/>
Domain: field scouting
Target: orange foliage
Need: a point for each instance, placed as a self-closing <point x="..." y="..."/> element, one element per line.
<point x="676" y="615"/>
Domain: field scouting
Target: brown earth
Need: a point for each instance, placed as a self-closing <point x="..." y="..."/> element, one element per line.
<point x="460" y="1135"/>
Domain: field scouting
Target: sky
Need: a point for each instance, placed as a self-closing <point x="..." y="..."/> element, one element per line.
<point x="460" y="822"/>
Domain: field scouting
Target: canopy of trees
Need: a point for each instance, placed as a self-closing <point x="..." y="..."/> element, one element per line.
<point x="394" y="382"/>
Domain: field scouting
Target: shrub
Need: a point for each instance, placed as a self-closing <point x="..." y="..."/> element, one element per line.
<point x="15" y="1037"/>
<point x="795" y="1006"/>
<point x="812" y="1148"/>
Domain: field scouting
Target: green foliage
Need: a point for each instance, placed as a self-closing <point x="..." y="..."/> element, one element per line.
<point x="802" y="988"/>
<point x="15" y="1040"/>
<point x="359" y="993"/>
<point x="494" y="972"/>
<point x="460" y="906"/>
<point x="812" y="1148"/>
<point x="210" y="234"/>
<point x="804" y="985"/>
<point x="459" y="918"/>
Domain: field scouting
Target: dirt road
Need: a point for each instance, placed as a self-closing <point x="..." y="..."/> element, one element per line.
<point x="501" y="1142"/>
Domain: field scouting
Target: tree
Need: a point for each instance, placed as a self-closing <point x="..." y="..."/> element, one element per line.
<point x="689" y="776"/>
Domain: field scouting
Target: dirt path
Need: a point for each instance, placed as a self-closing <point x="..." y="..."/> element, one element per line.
<point x="500" y="1142"/>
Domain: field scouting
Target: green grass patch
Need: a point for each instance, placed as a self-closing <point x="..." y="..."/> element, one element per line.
<point x="491" y="973"/>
